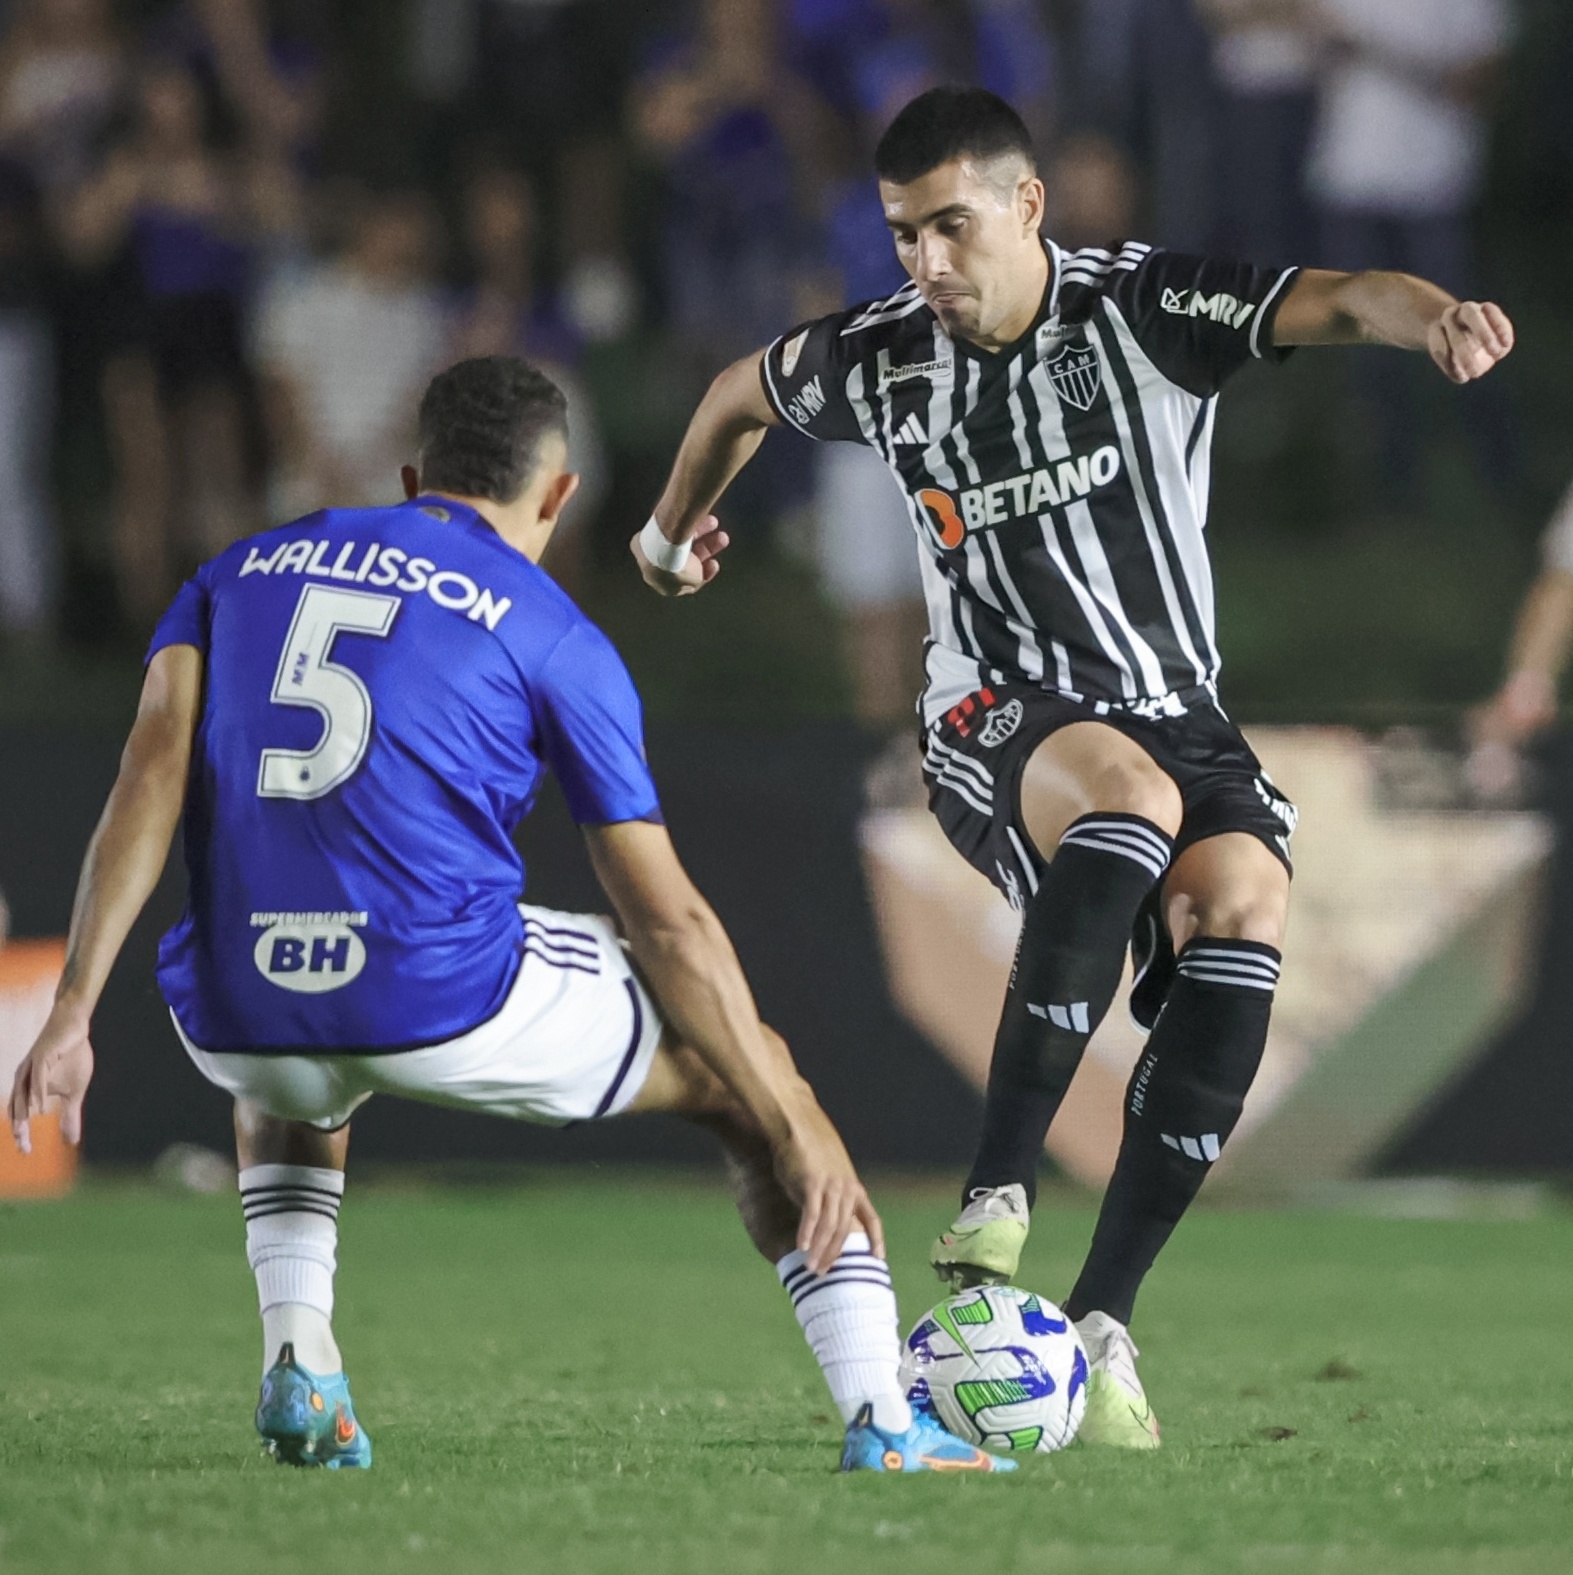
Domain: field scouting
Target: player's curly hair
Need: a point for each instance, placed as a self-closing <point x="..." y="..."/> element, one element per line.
<point x="950" y="123"/>
<point x="481" y="425"/>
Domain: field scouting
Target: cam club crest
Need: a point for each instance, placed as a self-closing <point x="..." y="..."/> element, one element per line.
<point x="1077" y="375"/>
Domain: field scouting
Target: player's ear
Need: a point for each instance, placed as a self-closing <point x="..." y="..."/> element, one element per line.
<point x="561" y="488"/>
<point x="1030" y="201"/>
<point x="412" y="481"/>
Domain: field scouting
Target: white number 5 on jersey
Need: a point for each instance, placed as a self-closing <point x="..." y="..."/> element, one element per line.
<point x="307" y="678"/>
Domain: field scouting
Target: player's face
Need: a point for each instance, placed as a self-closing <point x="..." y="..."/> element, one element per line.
<point x="967" y="233"/>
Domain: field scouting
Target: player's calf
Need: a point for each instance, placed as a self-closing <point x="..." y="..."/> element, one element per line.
<point x="1184" y="1099"/>
<point x="847" y="1312"/>
<point x="1074" y="932"/>
<point x="305" y="1416"/>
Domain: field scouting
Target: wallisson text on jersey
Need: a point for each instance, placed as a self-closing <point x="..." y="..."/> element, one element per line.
<point x="380" y="566"/>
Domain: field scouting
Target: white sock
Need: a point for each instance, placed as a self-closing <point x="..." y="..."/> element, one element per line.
<point x="292" y="1237"/>
<point x="848" y="1316"/>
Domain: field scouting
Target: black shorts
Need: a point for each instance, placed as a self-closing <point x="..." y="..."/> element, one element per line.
<point x="974" y="756"/>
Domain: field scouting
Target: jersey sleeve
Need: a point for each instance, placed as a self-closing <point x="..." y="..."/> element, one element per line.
<point x="1200" y="319"/>
<point x="187" y="620"/>
<point x="805" y="378"/>
<point x="592" y="731"/>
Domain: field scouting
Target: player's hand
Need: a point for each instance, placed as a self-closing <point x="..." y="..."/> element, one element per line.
<point x="1522" y="707"/>
<point x="55" y="1072"/>
<point x="704" y="561"/>
<point x="1469" y="338"/>
<point x="817" y="1173"/>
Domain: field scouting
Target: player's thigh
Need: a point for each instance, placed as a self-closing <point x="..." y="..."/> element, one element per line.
<point x="681" y="1083"/>
<point x="1231" y="886"/>
<point x="1088" y="768"/>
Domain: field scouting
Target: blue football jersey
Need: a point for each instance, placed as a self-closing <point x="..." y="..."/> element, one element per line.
<point x="385" y="690"/>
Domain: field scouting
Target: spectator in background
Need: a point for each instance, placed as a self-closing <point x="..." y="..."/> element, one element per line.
<point x="1142" y="75"/>
<point x="1526" y="704"/>
<point x="862" y="532"/>
<point x="1264" y="60"/>
<point x="62" y="78"/>
<point x="28" y="576"/>
<point x="504" y="312"/>
<point x="1397" y="161"/>
<point x="1090" y="192"/>
<point x="345" y="349"/>
<point x="742" y="140"/>
<point x="183" y="213"/>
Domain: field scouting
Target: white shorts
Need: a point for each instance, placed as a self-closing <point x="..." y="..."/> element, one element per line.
<point x="573" y="1041"/>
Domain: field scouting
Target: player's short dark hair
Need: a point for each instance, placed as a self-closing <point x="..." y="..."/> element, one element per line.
<point x="950" y="123"/>
<point x="481" y="425"/>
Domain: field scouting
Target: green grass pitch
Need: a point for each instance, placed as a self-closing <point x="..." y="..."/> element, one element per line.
<point x="581" y="1374"/>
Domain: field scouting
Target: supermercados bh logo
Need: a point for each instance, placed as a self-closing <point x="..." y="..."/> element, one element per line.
<point x="310" y="953"/>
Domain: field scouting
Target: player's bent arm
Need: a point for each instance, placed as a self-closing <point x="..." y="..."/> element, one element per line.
<point x="687" y="956"/>
<point x="1465" y="338"/>
<point x="688" y="960"/>
<point x="722" y="437"/>
<point x="123" y="864"/>
<point x="1542" y="638"/>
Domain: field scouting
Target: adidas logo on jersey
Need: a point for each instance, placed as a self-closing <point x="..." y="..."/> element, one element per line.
<point x="911" y="431"/>
<point x="1073" y="1017"/>
<point x="1220" y="308"/>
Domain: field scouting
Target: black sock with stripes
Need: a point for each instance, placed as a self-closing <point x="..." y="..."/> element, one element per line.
<point x="1184" y="1099"/>
<point x="1074" y="932"/>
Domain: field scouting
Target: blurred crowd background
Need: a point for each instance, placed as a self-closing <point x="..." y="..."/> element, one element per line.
<point x="236" y="237"/>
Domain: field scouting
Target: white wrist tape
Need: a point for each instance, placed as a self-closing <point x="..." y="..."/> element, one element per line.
<point x="669" y="556"/>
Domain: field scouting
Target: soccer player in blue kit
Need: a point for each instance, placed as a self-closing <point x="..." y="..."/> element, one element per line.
<point x="352" y="713"/>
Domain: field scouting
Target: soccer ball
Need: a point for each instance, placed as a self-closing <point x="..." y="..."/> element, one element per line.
<point x="1001" y="1367"/>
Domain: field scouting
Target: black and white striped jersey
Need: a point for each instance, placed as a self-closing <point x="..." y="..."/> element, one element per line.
<point x="1058" y="487"/>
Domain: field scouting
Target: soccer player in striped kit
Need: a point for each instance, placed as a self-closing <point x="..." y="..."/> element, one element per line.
<point x="1049" y="415"/>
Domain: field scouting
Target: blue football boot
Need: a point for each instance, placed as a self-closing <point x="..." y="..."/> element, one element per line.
<point x="306" y="1420"/>
<point x="925" y="1446"/>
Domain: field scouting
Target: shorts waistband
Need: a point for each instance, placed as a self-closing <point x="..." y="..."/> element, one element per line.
<point x="1176" y="703"/>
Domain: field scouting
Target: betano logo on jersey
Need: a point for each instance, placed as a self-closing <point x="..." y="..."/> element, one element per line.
<point x="1220" y="308"/>
<point x="309" y="953"/>
<point x="1028" y="494"/>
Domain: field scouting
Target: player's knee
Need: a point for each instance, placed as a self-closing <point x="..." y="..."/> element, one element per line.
<point x="1132" y="787"/>
<point x="1242" y="916"/>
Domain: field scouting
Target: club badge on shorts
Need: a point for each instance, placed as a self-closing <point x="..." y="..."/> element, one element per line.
<point x="1000" y="724"/>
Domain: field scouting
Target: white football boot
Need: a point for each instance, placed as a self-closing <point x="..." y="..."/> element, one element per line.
<point x="983" y="1246"/>
<point x="1117" y="1410"/>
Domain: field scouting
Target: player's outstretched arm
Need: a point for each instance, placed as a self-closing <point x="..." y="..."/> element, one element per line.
<point x="1465" y="338"/>
<point x="688" y="959"/>
<point x="123" y="864"/>
<point x="726" y="429"/>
